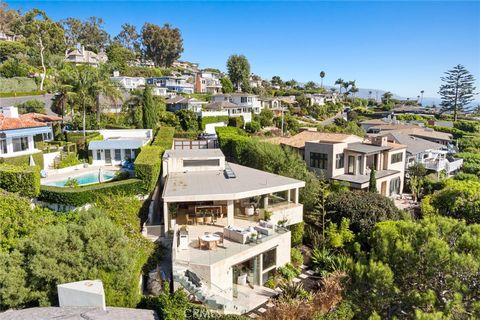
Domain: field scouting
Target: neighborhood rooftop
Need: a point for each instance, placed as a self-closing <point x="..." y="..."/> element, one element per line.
<point x="298" y="140"/>
<point x="415" y="145"/>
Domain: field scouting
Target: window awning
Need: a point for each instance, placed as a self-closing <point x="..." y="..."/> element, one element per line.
<point x="26" y="132"/>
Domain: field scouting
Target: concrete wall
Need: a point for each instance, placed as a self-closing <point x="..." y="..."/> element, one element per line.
<point x="48" y="159"/>
<point x="210" y="127"/>
<point x="293" y="215"/>
<point x="126" y="133"/>
<point x="174" y="164"/>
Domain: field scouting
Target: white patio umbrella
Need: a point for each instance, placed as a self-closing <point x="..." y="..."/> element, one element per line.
<point x="31" y="161"/>
<point x="100" y="176"/>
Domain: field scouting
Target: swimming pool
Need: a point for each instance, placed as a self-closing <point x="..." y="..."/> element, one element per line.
<point x="84" y="179"/>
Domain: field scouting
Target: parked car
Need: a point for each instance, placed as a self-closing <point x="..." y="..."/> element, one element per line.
<point x="207" y="136"/>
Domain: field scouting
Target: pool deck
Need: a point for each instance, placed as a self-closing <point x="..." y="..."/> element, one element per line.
<point x="75" y="172"/>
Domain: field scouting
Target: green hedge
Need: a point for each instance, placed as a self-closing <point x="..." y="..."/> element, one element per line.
<point x="22" y="179"/>
<point x="24" y="160"/>
<point x="148" y="165"/>
<point x="77" y="137"/>
<point x="18" y="86"/>
<point x="191" y="135"/>
<point x="232" y="141"/>
<point x="164" y="138"/>
<point x="214" y="119"/>
<point x="88" y="194"/>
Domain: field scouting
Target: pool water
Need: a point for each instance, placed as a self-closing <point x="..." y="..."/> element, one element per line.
<point x="88" y="178"/>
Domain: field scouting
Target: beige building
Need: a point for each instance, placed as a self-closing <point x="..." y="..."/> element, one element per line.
<point x="228" y="223"/>
<point x="350" y="159"/>
<point x="82" y="56"/>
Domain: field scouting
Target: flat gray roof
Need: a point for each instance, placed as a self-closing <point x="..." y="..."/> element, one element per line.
<point x="214" y="185"/>
<point x="366" y="148"/>
<point x="116" y="144"/>
<point x="79" y="313"/>
<point x="364" y="178"/>
<point x="190" y="153"/>
<point x="416" y="145"/>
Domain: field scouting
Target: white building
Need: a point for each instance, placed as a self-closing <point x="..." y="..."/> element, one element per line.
<point x="208" y="82"/>
<point x="18" y="133"/>
<point x="239" y="102"/>
<point x="118" y="145"/>
<point x="180" y="84"/>
<point x="129" y="83"/>
<point x="227" y="223"/>
<point x="182" y="103"/>
<point x="434" y="156"/>
<point x="82" y="56"/>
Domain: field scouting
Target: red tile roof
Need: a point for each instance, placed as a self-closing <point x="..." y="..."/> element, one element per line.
<point x="7" y="123"/>
<point x="39" y="117"/>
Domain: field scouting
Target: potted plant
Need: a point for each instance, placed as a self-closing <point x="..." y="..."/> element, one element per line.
<point x="267" y="215"/>
<point x="173" y="209"/>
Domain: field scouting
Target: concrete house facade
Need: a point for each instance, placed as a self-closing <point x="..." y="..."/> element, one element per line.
<point x="181" y="103"/>
<point x="129" y="83"/>
<point x="352" y="161"/>
<point x="208" y="82"/>
<point x="82" y="56"/>
<point x="243" y="210"/>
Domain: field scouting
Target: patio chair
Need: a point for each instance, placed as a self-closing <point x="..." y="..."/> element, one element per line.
<point x="207" y="219"/>
<point x="200" y="243"/>
<point x="190" y="220"/>
<point x="200" y="219"/>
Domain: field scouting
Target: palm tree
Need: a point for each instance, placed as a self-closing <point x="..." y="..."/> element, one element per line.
<point x="82" y="85"/>
<point x="63" y="92"/>
<point x="107" y="88"/>
<point x="340" y="82"/>
<point x="354" y="90"/>
<point x="421" y="99"/>
<point x="322" y="75"/>
<point x="345" y="85"/>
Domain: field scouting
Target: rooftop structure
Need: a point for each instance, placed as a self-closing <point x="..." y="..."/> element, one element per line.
<point x="82" y="56"/>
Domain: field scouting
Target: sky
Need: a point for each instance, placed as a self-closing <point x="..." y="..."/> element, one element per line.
<point x="403" y="47"/>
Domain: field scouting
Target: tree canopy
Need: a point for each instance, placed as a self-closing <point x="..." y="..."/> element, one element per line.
<point x="238" y="70"/>
<point x="163" y="45"/>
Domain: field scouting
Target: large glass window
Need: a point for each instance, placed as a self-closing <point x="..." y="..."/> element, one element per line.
<point x="339" y="161"/>
<point x="20" y="144"/>
<point x="99" y="155"/>
<point x="243" y="99"/>
<point x="118" y="154"/>
<point x="351" y="164"/>
<point x="201" y="163"/>
<point x="3" y="145"/>
<point x="318" y="160"/>
<point x="269" y="259"/>
<point x="397" y="157"/>
<point x="395" y="186"/>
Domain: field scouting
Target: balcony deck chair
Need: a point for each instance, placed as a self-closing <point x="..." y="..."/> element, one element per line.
<point x="200" y="243"/>
<point x="189" y="219"/>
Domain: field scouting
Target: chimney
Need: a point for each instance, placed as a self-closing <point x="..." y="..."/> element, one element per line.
<point x="88" y="293"/>
<point x="10" y="112"/>
<point x="116" y="73"/>
<point x="82" y="49"/>
<point x="380" y="141"/>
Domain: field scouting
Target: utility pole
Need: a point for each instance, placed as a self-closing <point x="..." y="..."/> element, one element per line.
<point x="282" y="120"/>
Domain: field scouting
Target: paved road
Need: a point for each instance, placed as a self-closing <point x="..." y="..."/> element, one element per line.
<point x="332" y="119"/>
<point x="47" y="99"/>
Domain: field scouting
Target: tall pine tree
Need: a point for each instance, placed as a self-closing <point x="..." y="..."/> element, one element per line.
<point x="457" y="91"/>
<point x="372" y="184"/>
<point x="149" y="116"/>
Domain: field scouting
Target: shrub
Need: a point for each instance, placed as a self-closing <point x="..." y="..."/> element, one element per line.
<point x="36" y="106"/>
<point x="236" y="122"/>
<point x="148" y="165"/>
<point x="164" y="138"/>
<point x="297" y="231"/>
<point x="253" y="127"/>
<point x="296" y="257"/>
<point x="288" y="272"/>
<point x="72" y="183"/>
<point x="168" y="306"/>
<point x="22" y="179"/>
<point x="24" y="160"/>
<point x="88" y="194"/>
<point x="363" y="209"/>
<point x="68" y="161"/>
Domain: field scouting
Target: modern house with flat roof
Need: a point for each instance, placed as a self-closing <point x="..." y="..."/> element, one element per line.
<point x="228" y="223"/>
<point x="177" y="103"/>
<point x="118" y="145"/>
<point x="19" y="132"/>
<point x="352" y="162"/>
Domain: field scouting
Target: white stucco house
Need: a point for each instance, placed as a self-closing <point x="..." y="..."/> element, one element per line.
<point x="228" y="225"/>
<point x="208" y="82"/>
<point x="177" y="103"/>
<point x="239" y="102"/>
<point x="18" y="132"/>
<point x="118" y="145"/>
<point x="129" y="83"/>
<point x="175" y="84"/>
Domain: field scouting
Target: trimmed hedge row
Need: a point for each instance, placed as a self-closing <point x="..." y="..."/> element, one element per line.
<point x="24" y="160"/>
<point x="232" y="141"/>
<point x="88" y="194"/>
<point x="213" y="119"/>
<point x="22" y="179"/>
<point x="164" y="138"/>
<point x="148" y="165"/>
<point x="77" y="137"/>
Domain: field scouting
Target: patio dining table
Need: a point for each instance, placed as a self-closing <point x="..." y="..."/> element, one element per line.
<point x="211" y="240"/>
